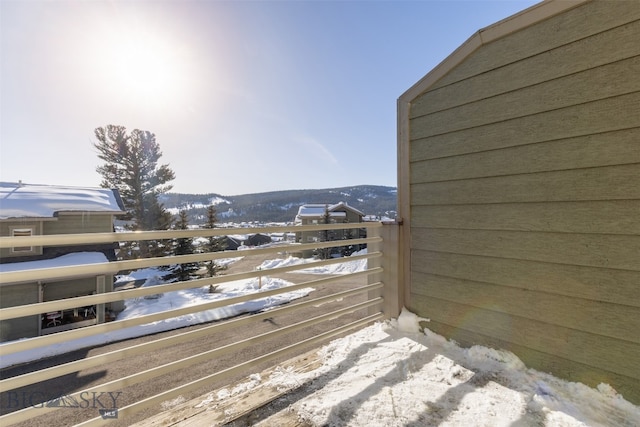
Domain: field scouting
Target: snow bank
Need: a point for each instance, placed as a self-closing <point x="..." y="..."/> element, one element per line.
<point x="408" y="322"/>
<point x="342" y="268"/>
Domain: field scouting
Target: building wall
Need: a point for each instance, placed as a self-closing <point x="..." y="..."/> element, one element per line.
<point x="28" y="293"/>
<point x="65" y="223"/>
<point x="81" y="222"/>
<point x="73" y="288"/>
<point x="21" y="327"/>
<point x="6" y="228"/>
<point x="524" y="195"/>
<point x="31" y="293"/>
<point x="311" y="236"/>
<point x="353" y="216"/>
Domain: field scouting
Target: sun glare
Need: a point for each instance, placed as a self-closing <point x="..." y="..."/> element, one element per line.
<point x="145" y="68"/>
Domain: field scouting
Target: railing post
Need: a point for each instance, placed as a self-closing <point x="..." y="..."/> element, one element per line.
<point x="393" y="290"/>
<point x="100" y="288"/>
<point x="374" y="263"/>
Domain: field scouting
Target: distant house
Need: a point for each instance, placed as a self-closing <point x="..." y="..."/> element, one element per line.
<point x="258" y="240"/>
<point x="232" y="243"/>
<point x="31" y="210"/>
<point x="339" y="213"/>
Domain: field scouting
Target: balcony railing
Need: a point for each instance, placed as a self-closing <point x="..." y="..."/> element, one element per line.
<point x="378" y="297"/>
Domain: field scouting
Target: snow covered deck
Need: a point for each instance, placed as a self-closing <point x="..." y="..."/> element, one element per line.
<point x="394" y="374"/>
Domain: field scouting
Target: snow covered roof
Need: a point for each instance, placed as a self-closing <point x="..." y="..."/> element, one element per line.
<point x="18" y="200"/>
<point x="316" y="210"/>
<point x="345" y="206"/>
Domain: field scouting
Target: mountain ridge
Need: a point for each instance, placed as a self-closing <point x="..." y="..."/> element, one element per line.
<point x="281" y="206"/>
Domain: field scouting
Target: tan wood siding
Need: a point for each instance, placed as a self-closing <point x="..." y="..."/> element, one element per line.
<point x="590" y="85"/>
<point x="605" y="183"/>
<point x="612" y="46"/>
<point x="591" y="250"/>
<point x="603" y="217"/>
<point x="87" y="222"/>
<point x="602" y="149"/>
<point x="21" y="327"/>
<point x="523" y="163"/>
<point x="587" y="20"/>
<point x="69" y="289"/>
<point x="25" y="293"/>
<point x="597" y="317"/>
<point x="593" y="283"/>
<point x="595" y="117"/>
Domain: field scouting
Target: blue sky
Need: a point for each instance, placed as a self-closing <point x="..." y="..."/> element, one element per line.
<point x="243" y="96"/>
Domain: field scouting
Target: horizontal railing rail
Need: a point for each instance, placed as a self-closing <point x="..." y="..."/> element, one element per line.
<point x="32" y="378"/>
<point x="94" y="238"/>
<point x="369" y="295"/>
<point x="43" y="307"/>
<point x="23" y="345"/>
<point x="66" y="272"/>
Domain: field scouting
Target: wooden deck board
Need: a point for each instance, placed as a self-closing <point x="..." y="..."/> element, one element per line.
<point x="282" y="419"/>
<point x="202" y="411"/>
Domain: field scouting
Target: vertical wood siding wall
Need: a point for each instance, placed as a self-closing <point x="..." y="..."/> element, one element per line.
<point x="81" y="222"/>
<point x="20" y="327"/>
<point x="525" y="196"/>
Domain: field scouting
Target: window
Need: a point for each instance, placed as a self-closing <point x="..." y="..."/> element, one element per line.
<point x="23" y="232"/>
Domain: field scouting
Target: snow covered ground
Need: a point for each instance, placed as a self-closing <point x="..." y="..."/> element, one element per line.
<point x="392" y="374"/>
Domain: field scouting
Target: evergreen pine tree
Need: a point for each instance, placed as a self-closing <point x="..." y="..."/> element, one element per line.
<point x="346" y="235"/>
<point x="131" y="166"/>
<point x="183" y="246"/>
<point x="325" y="235"/>
<point x="158" y="218"/>
<point x="215" y="243"/>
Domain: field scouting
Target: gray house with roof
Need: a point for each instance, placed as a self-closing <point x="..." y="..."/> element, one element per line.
<point x="321" y="213"/>
<point x="31" y="210"/>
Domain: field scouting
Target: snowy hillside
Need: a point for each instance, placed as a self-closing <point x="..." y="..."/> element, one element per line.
<point x="281" y="206"/>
